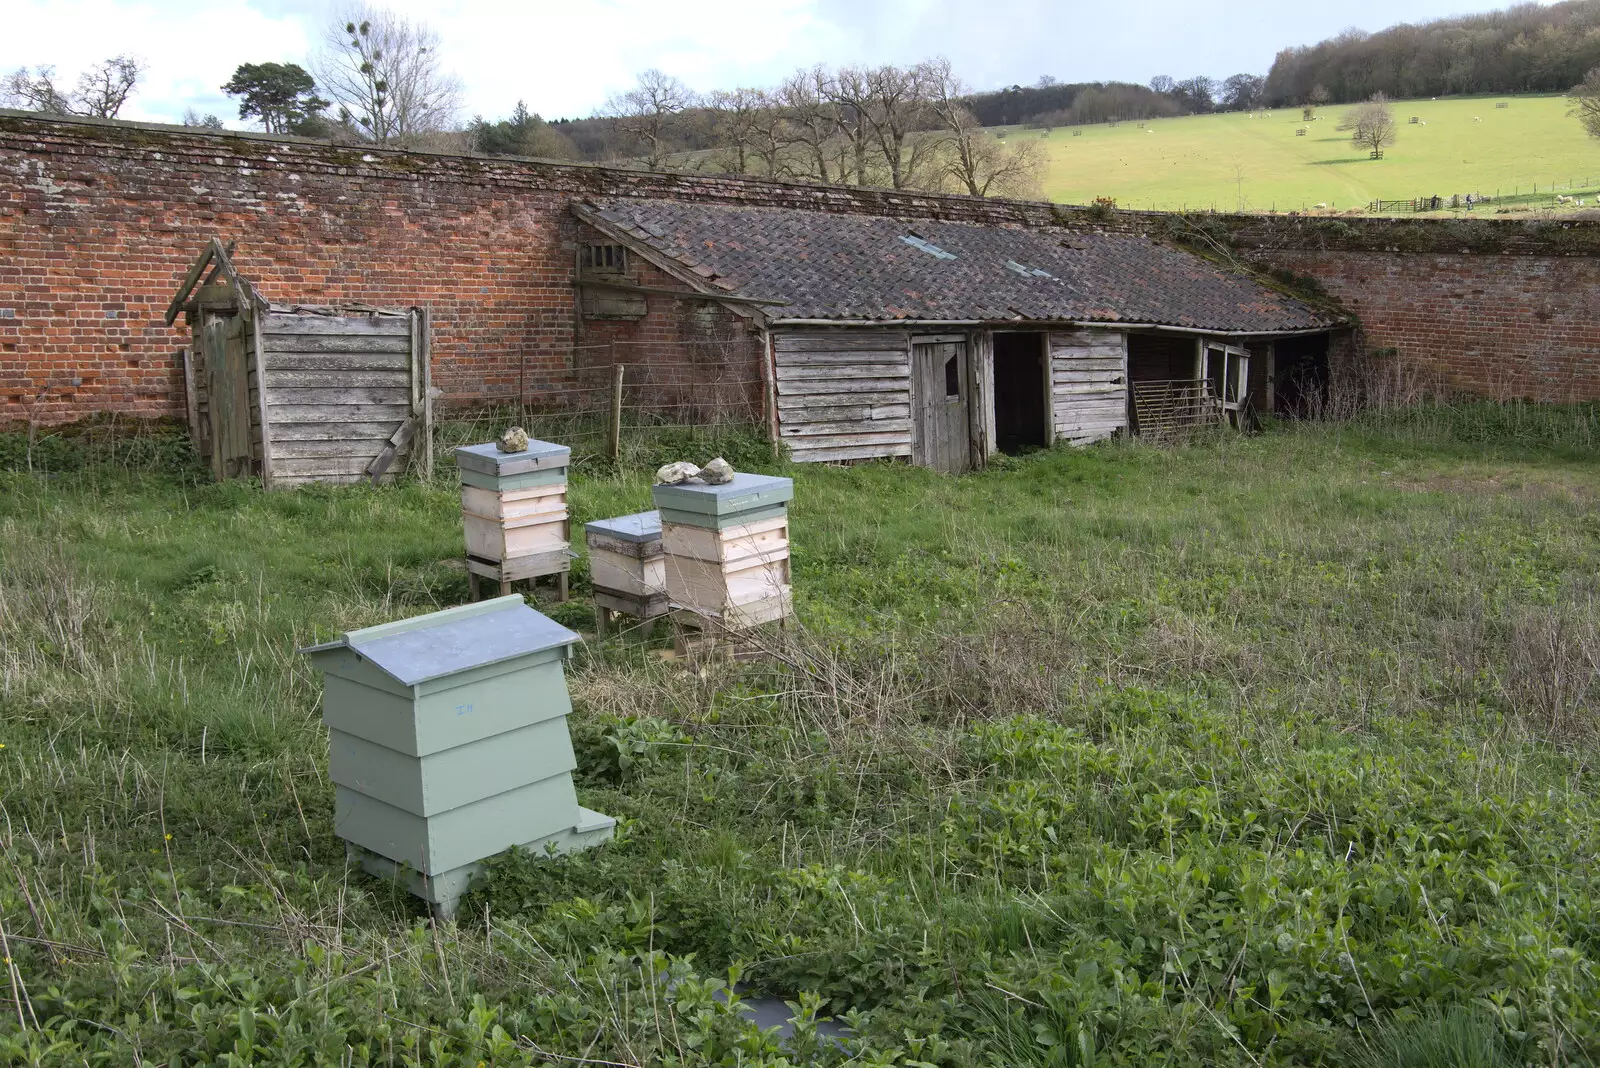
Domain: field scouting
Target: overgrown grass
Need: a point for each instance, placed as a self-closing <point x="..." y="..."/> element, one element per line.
<point x="1260" y="751"/>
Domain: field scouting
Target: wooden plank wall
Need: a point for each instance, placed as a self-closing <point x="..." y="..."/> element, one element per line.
<point x="1089" y="384"/>
<point x="844" y="394"/>
<point x="338" y="387"/>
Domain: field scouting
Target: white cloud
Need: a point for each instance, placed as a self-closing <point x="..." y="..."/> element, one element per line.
<point x="190" y="50"/>
<point x="564" y="57"/>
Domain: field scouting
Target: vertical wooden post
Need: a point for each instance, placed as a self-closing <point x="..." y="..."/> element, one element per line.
<point x="425" y="333"/>
<point x="614" y="429"/>
<point x="264" y="409"/>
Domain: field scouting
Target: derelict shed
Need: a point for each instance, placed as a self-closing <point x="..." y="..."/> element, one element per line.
<point x="944" y="342"/>
<point x="347" y="393"/>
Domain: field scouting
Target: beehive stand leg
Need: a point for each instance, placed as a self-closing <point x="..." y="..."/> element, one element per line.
<point x="505" y="585"/>
<point x="602" y="621"/>
<point x="563" y="582"/>
<point x="472" y="584"/>
<point x="650" y="628"/>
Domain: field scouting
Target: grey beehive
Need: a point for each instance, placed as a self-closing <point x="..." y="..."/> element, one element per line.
<point x="448" y="743"/>
<point x="626" y="568"/>
<point x="727" y="548"/>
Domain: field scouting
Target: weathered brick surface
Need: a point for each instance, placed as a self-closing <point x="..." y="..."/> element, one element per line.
<point x="98" y="223"/>
<point x="1503" y="326"/>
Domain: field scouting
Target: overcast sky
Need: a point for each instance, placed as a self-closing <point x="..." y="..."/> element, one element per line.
<point x="565" y="56"/>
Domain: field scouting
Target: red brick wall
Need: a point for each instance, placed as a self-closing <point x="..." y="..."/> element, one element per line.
<point x="99" y="221"/>
<point x="1499" y="325"/>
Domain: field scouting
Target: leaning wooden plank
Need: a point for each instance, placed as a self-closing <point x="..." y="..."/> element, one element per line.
<point x="394" y="379"/>
<point x="331" y="343"/>
<point x="340" y="395"/>
<point x="278" y="323"/>
<point x="862" y="452"/>
<point x="189" y="279"/>
<point x="327" y="361"/>
<point x="852" y="427"/>
<point x="425" y="335"/>
<point x="330" y="413"/>
<point x="264" y="422"/>
<point x="191" y="401"/>
<point x="380" y="463"/>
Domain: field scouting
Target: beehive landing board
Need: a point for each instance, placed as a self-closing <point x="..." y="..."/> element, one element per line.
<point x="449" y="743"/>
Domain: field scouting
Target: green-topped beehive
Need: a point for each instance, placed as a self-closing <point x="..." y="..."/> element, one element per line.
<point x="448" y="743"/>
<point x="727" y="548"/>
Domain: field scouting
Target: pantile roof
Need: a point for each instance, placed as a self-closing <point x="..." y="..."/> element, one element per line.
<point x="829" y="266"/>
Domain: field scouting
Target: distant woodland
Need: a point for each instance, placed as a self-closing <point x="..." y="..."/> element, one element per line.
<point x="1525" y="49"/>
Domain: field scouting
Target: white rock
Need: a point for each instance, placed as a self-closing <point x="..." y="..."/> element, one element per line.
<point x="674" y="473"/>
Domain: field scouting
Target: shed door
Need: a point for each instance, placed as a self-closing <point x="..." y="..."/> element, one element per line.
<point x="943" y="391"/>
<point x="228" y="395"/>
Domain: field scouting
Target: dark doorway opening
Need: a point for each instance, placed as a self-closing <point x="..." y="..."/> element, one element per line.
<point x="1300" y="376"/>
<point x="1021" y="392"/>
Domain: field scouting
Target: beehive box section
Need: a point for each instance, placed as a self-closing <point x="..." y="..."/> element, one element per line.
<point x="727" y="549"/>
<point x="514" y="511"/>
<point x="627" y="568"/>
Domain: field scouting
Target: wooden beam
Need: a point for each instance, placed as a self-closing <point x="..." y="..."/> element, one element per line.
<point x="261" y="402"/>
<point x="189" y="281"/>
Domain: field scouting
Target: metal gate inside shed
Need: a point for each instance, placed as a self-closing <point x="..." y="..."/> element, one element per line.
<point x="302" y="393"/>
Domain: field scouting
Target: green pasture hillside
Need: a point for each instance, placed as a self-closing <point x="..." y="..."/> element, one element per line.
<point x="1233" y="161"/>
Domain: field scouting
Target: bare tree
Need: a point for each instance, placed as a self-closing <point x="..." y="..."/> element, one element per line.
<point x="106" y="86"/>
<point x="971" y="157"/>
<point x="35" y="90"/>
<point x="736" y="121"/>
<point x="1585" y="101"/>
<point x="773" y="135"/>
<point x="383" y="72"/>
<point x="102" y="89"/>
<point x="897" y="108"/>
<point x="814" y="121"/>
<point x="850" y="92"/>
<point x="1371" y="125"/>
<point x="650" y="115"/>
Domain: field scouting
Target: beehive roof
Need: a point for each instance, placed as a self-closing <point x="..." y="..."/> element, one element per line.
<point x="423" y="648"/>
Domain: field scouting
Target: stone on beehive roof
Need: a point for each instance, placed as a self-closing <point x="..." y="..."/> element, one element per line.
<point x="423" y="648"/>
<point x="829" y="265"/>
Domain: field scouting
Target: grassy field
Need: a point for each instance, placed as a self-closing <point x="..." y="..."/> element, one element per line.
<point x="1267" y="751"/>
<point x="1232" y="161"/>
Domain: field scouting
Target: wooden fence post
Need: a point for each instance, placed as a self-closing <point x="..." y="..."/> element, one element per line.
<point x="614" y="429"/>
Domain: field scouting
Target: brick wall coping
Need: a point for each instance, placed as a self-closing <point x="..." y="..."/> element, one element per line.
<point x="32" y="133"/>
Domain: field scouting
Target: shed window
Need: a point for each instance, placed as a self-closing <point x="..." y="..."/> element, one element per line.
<point x="605" y="259"/>
<point x="952" y="377"/>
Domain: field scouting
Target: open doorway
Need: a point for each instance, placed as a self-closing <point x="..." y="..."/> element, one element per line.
<point x="1300" y="376"/>
<point x="1021" y="391"/>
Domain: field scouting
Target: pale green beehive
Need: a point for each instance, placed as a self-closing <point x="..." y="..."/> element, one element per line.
<point x="448" y="743"/>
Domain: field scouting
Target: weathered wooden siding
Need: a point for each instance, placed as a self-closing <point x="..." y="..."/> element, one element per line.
<point x="338" y="387"/>
<point x="1089" y="384"/>
<point x="843" y="394"/>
